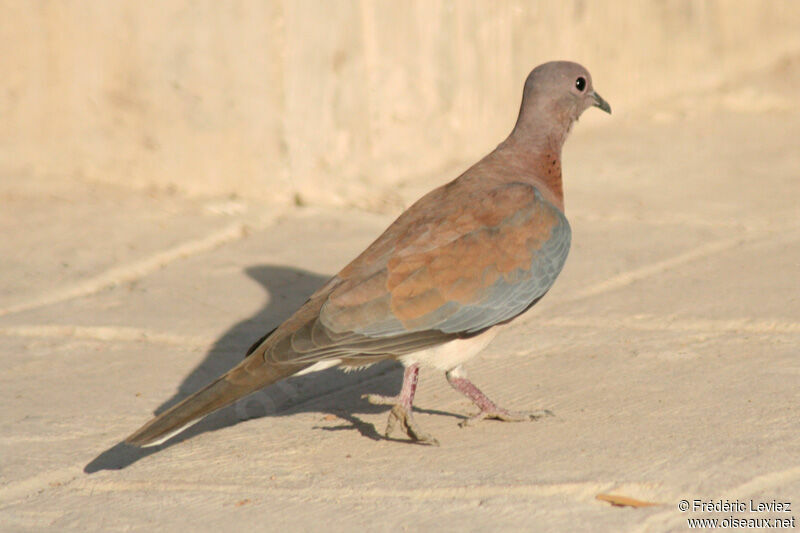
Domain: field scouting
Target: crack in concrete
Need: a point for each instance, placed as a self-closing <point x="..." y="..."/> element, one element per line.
<point x="672" y="323"/>
<point x="140" y="268"/>
<point x="629" y="277"/>
<point x="103" y="333"/>
<point x="581" y="491"/>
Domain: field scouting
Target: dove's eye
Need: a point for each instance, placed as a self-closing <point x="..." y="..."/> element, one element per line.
<point x="580" y="83"/>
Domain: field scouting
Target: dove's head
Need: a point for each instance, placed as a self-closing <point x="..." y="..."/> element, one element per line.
<point x="555" y="95"/>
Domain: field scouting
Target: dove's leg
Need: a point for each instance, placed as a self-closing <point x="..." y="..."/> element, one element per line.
<point x="488" y="409"/>
<point x="402" y="407"/>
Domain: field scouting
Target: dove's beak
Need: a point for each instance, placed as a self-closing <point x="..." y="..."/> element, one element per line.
<point x="599" y="102"/>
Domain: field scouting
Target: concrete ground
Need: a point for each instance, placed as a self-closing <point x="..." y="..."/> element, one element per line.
<point x="667" y="350"/>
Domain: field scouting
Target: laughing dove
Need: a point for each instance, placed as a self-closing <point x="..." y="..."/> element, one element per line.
<point x="432" y="289"/>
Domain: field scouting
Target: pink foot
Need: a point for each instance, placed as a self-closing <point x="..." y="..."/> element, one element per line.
<point x="401" y="412"/>
<point x="488" y="409"/>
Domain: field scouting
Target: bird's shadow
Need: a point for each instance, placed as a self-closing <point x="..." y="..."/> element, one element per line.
<point x="287" y="288"/>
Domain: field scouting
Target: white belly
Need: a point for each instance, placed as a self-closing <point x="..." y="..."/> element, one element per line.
<point x="443" y="357"/>
<point x="449" y="355"/>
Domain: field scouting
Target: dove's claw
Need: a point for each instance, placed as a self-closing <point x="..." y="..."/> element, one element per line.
<point x="401" y="412"/>
<point x="377" y="399"/>
<point x="488" y="409"/>
<point x="401" y="415"/>
<point x="506" y="416"/>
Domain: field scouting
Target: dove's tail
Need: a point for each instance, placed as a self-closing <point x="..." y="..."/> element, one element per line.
<point x="249" y="376"/>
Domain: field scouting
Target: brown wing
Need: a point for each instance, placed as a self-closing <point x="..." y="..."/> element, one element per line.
<point x="454" y="264"/>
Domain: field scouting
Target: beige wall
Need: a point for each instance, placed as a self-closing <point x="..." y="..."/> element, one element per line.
<point x="330" y="99"/>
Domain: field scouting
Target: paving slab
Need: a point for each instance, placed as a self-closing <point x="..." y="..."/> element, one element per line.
<point x="667" y="352"/>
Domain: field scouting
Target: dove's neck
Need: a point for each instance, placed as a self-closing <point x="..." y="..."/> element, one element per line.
<point x="536" y="151"/>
